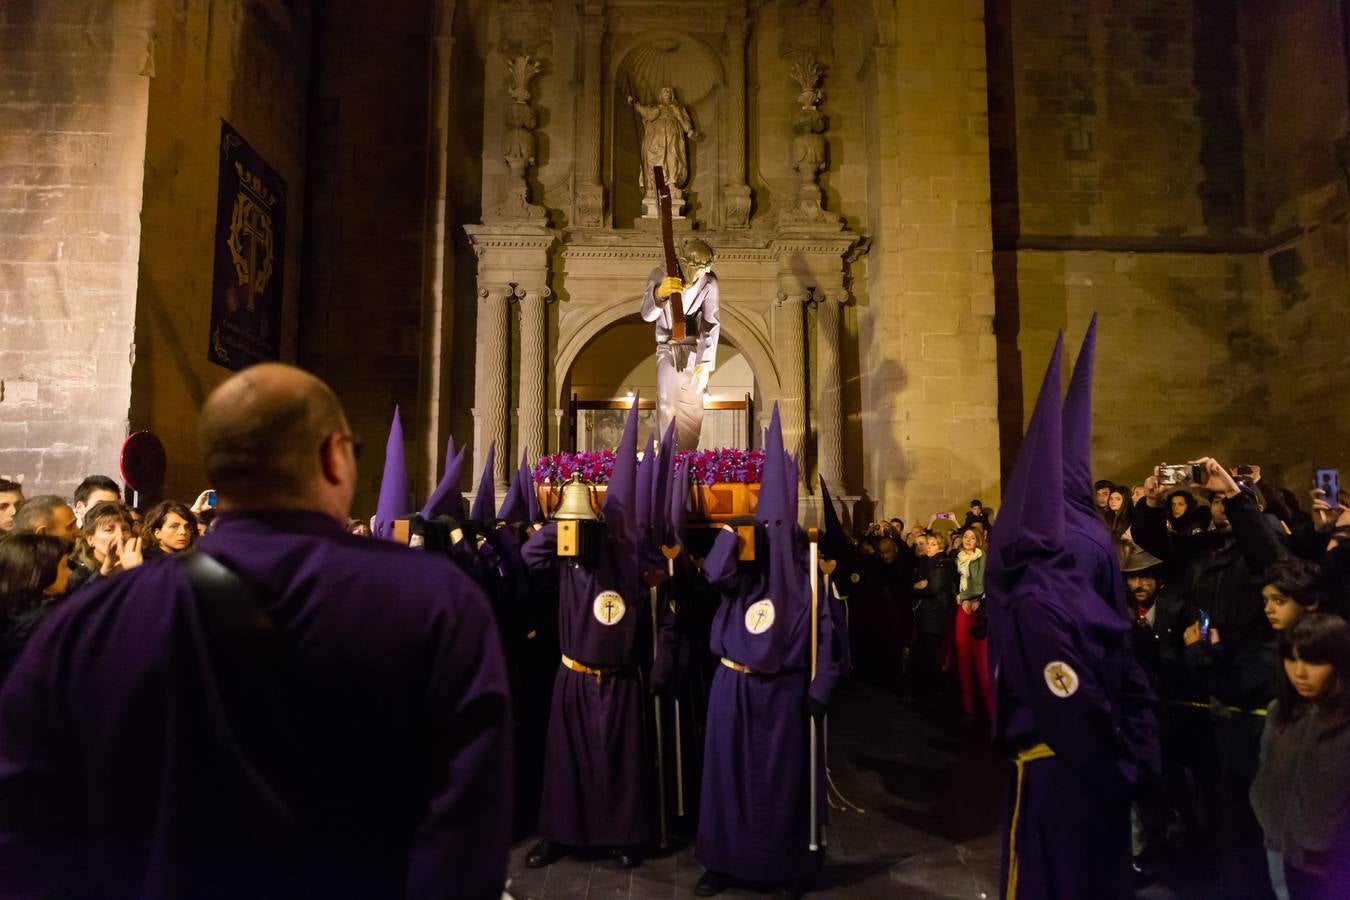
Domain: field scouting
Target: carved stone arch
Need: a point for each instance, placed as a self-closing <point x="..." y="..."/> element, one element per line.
<point x="738" y="329"/>
<point x="646" y="55"/>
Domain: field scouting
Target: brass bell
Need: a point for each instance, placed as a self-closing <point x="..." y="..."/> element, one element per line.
<point x="576" y="502"/>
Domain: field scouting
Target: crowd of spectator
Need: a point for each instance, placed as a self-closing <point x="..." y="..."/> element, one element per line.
<point x="1237" y="597"/>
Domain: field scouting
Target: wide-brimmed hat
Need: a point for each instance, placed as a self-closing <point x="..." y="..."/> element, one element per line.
<point x="1140" y="560"/>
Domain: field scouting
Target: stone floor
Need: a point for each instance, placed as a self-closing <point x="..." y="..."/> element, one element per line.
<point x="931" y="797"/>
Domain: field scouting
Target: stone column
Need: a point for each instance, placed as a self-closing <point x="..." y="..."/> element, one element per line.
<point x="590" y="200"/>
<point x="492" y="378"/>
<point x="735" y="192"/>
<point x="789" y="338"/>
<point x="828" y="412"/>
<point x="533" y="369"/>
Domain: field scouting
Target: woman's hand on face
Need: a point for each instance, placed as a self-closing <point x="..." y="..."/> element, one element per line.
<point x="130" y="556"/>
<point x="109" y="564"/>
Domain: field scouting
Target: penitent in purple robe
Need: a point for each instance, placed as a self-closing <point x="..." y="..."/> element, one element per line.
<point x="755" y="815"/>
<point x="596" y="792"/>
<point x="122" y="776"/>
<point x="1066" y="707"/>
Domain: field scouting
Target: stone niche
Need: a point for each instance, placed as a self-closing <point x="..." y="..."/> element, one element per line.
<point x="569" y="235"/>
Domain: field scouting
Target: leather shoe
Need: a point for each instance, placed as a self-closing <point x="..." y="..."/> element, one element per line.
<point x="624" y="858"/>
<point x="710" y="885"/>
<point x="542" y="854"/>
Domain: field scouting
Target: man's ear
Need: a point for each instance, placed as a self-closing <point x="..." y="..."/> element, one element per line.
<point x="329" y="458"/>
<point x="40" y="529"/>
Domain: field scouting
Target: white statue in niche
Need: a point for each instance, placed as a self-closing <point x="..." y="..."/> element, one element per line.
<point x="665" y="125"/>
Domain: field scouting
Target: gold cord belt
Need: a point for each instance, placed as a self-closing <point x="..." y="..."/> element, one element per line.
<point x="736" y="667"/>
<point x="575" y="666"/>
<point x="1040" y="751"/>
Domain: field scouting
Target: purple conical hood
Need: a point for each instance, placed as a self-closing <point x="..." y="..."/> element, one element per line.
<point x="446" y="500"/>
<point x="394" y="502"/>
<point x="515" y="507"/>
<point x="774" y="499"/>
<point x="646" y="474"/>
<point x="678" y="496"/>
<point x="621" y="493"/>
<point x="661" y="485"/>
<point x="1031" y="519"/>
<point x="1077" y="419"/>
<point x="831" y="515"/>
<point x="485" y="501"/>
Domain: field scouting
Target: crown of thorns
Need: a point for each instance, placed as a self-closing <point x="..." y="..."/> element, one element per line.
<point x="696" y="253"/>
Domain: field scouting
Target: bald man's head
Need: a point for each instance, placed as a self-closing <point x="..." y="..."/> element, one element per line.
<point x="265" y="434"/>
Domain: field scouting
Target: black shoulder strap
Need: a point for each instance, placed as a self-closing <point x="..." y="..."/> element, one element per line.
<point x="236" y="622"/>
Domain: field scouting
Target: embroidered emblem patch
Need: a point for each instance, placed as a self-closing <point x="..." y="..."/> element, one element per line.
<point x="1061" y="679"/>
<point x="759" y="617"/>
<point x="609" y="608"/>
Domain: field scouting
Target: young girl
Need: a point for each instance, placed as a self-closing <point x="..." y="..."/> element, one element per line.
<point x="1301" y="794"/>
<point x="972" y="661"/>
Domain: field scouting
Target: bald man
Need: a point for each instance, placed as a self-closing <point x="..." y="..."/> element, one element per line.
<point x="335" y="725"/>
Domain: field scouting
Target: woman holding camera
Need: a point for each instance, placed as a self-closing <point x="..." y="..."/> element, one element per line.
<point x="1301" y="793"/>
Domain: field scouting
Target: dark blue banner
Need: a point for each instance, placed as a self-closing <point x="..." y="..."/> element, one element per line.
<point x="250" y="247"/>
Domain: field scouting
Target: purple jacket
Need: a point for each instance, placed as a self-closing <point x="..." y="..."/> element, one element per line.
<point x="125" y="771"/>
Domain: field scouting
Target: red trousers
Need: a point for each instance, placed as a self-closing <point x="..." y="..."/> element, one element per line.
<point x="972" y="665"/>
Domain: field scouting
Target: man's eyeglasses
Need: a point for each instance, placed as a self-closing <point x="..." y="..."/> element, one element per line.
<point x="354" y="441"/>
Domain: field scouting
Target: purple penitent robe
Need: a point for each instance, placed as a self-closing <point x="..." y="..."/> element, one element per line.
<point x="596" y="761"/>
<point x="755" y="818"/>
<point x="382" y="770"/>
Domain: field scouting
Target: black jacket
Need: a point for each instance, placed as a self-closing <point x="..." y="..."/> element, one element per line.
<point x="935" y="603"/>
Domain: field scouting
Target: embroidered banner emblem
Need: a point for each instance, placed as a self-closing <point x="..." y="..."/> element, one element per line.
<point x="759" y="617"/>
<point x="1061" y="679"/>
<point x="609" y="608"/>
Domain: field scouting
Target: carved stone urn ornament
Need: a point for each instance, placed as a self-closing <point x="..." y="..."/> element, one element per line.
<point x="518" y="146"/>
<point x="809" y="150"/>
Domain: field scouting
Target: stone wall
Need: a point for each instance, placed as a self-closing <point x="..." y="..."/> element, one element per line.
<point x="361" y="307"/>
<point x="73" y="98"/>
<point x="929" y="396"/>
<point x="246" y="63"/>
<point x="1119" y="187"/>
<point x="1296" y="113"/>
<point x="1180" y="356"/>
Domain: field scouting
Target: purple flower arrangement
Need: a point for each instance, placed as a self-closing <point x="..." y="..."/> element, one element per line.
<point x="725" y="465"/>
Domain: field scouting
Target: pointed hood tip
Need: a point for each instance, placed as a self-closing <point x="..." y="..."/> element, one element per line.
<point x="621" y="492"/>
<point x="394" y="501"/>
<point x="446" y="499"/>
<point x="484" y="509"/>
<point x="1031" y="520"/>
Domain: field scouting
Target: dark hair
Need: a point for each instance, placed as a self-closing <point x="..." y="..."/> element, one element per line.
<point x="36" y="512"/>
<point x="975" y="503"/>
<point x="104" y="509"/>
<point x="1121" y="518"/>
<point x="28" y="565"/>
<point x="1185" y="495"/>
<point x="1296" y="578"/>
<point x="154" y="520"/>
<point x="1102" y="483"/>
<point x="9" y="487"/>
<point x="95" y="483"/>
<point x="1316" y="638"/>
